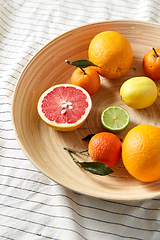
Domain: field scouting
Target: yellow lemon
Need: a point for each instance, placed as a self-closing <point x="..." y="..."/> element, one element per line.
<point x="139" y="92"/>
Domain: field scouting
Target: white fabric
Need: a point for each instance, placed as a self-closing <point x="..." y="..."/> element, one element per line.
<point x="32" y="206"/>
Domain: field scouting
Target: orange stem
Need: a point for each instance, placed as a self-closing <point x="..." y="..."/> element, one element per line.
<point x="156" y="54"/>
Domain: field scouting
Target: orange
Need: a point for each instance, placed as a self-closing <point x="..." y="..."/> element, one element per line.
<point x="100" y="71"/>
<point x="141" y="152"/>
<point x="151" y="64"/>
<point x="88" y="79"/>
<point x="112" y="52"/>
<point x="105" y="147"/>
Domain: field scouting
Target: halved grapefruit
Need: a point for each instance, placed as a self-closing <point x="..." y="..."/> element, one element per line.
<point x="64" y="107"/>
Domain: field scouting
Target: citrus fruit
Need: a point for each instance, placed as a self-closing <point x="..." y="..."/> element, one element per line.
<point x="115" y="118"/>
<point x="151" y="64"/>
<point x="88" y="78"/>
<point x="105" y="147"/>
<point x="64" y="107"/>
<point x="141" y="152"/>
<point x="112" y="52"/>
<point x="139" y="92"/>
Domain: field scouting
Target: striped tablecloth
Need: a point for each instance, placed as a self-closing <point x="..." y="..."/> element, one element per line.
<point x="32" y="206"/>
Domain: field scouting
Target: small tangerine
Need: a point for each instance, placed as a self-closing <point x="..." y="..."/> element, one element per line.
<point x="88" y="78"/>
<point x="105" y="147"/>
<point x="151" y="64"/>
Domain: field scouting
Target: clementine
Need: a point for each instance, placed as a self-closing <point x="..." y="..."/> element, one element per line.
<point x="105" y="147"/>
<point x="88" y="78"/>
<point x="112" y="52"/>
<point x="151" y="64"/>
<point x="141" y="152"/>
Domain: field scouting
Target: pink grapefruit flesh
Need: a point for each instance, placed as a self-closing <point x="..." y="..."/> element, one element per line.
<point x="64" y="107"/>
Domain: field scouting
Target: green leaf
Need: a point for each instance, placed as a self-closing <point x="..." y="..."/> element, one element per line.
<point x="88" y="137"/>
<point x="93" y="167"/>
<point x="81" y="63"/>
<point x="96" y="168"/>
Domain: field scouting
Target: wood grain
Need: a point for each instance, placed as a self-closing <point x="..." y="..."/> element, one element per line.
<point x="44" y="145"/>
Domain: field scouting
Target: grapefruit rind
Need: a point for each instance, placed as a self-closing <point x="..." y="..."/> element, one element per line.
<point x="64" y="126"/>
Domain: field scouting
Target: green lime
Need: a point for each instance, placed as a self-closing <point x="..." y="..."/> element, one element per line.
<point x="115" y="118"/>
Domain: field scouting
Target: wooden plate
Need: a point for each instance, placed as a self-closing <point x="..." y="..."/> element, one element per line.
<point x="45" y="147"/>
